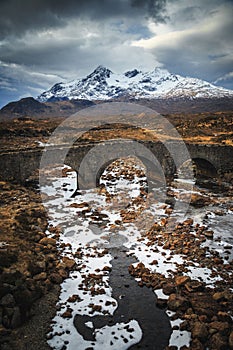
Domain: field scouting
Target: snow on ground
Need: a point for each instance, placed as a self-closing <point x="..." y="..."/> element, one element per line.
<point x="3" y="244"/>
<point x="178" y="338"/>
<point x="86" y="222"/>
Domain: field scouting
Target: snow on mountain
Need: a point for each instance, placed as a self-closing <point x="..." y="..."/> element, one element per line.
<point x="103" y="84"/>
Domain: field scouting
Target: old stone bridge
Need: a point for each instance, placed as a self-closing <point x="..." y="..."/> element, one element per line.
<point x="91" y="159"/>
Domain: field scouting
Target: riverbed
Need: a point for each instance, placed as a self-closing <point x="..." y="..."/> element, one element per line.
<point x="125" y="246"/>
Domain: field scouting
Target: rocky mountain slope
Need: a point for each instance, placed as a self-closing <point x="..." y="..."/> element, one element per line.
<point x="103" y="84"/>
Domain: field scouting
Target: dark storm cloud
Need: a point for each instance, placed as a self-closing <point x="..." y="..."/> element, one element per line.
<point x="155" y="9"/>
<point x="17" y="17"/>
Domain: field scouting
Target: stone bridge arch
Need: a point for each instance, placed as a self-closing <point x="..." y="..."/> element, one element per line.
<point x="204" y="168"/>
<point x="216" y="158"/>
<point x="201" y="168"/>
<point x="96" y="160"/>
<point x="154" y="175"/>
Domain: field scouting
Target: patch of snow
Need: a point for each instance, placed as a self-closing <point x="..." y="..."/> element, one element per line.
<point x="178" y="338"/>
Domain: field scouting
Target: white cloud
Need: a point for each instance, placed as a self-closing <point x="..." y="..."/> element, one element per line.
<point x="209" y="29"/>
<point x="199" y="45"/>
<point x="227" y="76"/>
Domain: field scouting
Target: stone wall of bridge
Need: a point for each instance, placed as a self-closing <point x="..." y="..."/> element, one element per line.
<point x="19" y="165"/>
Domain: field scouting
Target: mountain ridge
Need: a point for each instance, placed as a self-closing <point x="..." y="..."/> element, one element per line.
<point x="160" y="90"/>
<point x="103" y="84"/>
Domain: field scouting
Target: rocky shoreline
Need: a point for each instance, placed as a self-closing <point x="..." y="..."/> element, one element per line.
<point x="31" y="270"/>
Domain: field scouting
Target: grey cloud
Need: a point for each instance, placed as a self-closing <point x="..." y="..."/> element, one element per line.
<point x="204" y="49"/>
<point x="155" y="9"/>
<point x="51" y="41"/>
<point x="72" y="49"/>
<point x="17" y="17"/>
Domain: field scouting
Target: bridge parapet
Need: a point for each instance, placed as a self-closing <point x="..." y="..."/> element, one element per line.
<point x="18" y="165"/>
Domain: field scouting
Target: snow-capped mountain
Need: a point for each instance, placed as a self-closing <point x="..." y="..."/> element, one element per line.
<point x="103" y="84"/>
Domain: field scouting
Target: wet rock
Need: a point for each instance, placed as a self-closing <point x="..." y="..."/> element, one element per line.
<point x="219" y="212"/>
<point x="40" y="277"/>
<point x="96" y="308"/>
<point x="154" y="262"/>
<point x="16" y="318"/>
<point x="8" y="301"/>
<point x="221" y="327"/>
<point x="209" y="234"/>
<point x="67" y="313"/>
<point x="219" y="296"/>
<point x="176" y="302"/>
<point x="188" y="222"/>
<point x="63" y="273"/>
<point x="203" y="318"/>
<point x="203" y="304"/>
<point x="169" y="288"/>
<point x="79" y="205"/>
<point x="74" y="298"/>
<point x="231" y="340"/>
<point x="107" y="268"/>
<point x="24" y="299"/>
<point x="69" y="263"/>
<point x="48" y="241"/>
<point x="194" y="286"/>
<point x="11" y="277"/>
<point x="224" y="317"/>
<point x="7" y="258"/>
<point x="161" y="303"/>
<point x="184" y="326"/>
<point x="197" y="345"/>
<point x="219" y="342"/>
<point x="56" y="278"/>
<point x="199" y="331"/>
<point x="181" y="280"/>
<point x="36" y="267"/>
<point x="168" y="211"/>
<point x="198" y="200"/>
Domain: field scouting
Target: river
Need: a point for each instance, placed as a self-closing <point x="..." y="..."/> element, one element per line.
<point x="101" y="305"/>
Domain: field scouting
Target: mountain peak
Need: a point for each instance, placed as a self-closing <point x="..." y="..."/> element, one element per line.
<point x="132" y="73"/>
<point x="102" y="70"/>
<point x="103" y="84"/>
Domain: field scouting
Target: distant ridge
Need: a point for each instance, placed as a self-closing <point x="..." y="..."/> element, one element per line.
<point x="30" y="107"/>
<point x="27" y="105"/>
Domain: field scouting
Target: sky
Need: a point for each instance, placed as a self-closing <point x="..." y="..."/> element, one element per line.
<point x="43" y="42"/>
